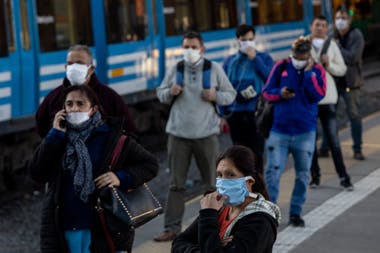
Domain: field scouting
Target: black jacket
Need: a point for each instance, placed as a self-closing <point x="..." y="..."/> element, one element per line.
<point x="45" y="167"/>
<point x="254" y="233"/>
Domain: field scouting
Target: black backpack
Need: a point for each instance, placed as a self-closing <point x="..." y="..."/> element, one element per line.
<point x="264" y="111"/>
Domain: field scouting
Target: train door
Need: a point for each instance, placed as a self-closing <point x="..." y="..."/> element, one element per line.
<point x="17" y="60"/>
<point x="9" y="60"/>
<point x="132" y="49"/>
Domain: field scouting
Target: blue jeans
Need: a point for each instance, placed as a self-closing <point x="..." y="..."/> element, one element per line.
<point x="78" y="241"/>
<point x="278" y="146"/>
<point x="327" y="116"/>
<point x="352" y="102"/>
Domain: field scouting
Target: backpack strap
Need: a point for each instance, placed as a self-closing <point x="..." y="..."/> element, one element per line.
<point x="180" y="72"/>
<point x="206" y="75"/>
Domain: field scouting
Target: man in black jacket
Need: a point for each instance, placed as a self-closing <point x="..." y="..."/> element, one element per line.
<point x="80" y="71"/>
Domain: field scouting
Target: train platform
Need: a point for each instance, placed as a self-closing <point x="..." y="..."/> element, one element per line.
<point x="336" y="220"/>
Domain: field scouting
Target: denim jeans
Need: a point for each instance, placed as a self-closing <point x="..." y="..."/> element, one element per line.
<point x="327" y="116"/>
<point x="278" y="146"/>
<point x="78" y="241"/>
<point x="243" y="132"/>
<point x="352" y="102"/>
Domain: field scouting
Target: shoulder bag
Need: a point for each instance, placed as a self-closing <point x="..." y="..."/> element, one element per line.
<point x="122" y="210"/>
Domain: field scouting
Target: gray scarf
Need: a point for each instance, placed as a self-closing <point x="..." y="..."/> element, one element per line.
<point x="77" y="160"/>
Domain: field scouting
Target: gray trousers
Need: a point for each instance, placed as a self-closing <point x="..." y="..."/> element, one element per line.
<point x="180" y="152"/>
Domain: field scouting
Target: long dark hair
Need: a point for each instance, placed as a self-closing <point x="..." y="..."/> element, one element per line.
<point x="244" y="160"/>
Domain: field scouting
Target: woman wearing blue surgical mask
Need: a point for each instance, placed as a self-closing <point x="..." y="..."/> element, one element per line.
<point x="237" y="217"/>
<point x="73" y="159"/>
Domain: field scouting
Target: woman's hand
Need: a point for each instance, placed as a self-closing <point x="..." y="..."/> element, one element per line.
<point x="59" y="118"/>
<point x="213" y="200"/>
<point x="227" y="240"/>
<point x="107" y="179"/>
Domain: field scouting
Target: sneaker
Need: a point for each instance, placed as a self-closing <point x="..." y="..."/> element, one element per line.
<point x="323" y="152"/>
<point x="346" y="184"/>
<point x="296" y="221"/>
<point x="165" y="236"/>
<point x="314" y="183"/>
<point x="359" y="156"/>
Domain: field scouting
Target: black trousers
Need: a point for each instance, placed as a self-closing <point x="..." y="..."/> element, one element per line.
<point x="243" y="132"/>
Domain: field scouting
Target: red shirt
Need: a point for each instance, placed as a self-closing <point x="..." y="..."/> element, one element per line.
<point x="223" y="221"/>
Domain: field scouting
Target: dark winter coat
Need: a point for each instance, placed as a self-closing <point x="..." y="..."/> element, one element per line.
<point x="111" y="102"/>
<point x="46" y="167"/>
<point x="253" y="231"/>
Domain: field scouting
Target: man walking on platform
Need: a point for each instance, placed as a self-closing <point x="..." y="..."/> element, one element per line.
<point x="193" y="87"/>
<point x="248" y="71"/>
<point x="351" y="44"/>
<point x="326" y="52"/>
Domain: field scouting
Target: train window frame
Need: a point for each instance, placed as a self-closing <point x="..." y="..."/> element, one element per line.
<point x="25" y="33"/>
<point x="265" y="13"/>
<point x="135" y="30"/>
<point x="204" y="21"/>
<point x="8" y="45"/>
<point x="69" y="22"/>
<point x="3" y="33"/>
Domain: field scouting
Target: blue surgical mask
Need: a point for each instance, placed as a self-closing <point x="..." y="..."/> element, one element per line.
<point x="235" y="189"/>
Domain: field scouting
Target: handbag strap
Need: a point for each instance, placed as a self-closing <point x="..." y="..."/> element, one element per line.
<point x="117" y="150"/>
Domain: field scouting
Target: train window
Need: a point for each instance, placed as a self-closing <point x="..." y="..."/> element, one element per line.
<point x="317" y="7"/>
<point x="126" y="20"/>
<point x="3" y="34"/>
<point x="24" y="25"/>
<point x="276" y="11"/>
<point x="210" y="15"/>
<point x="62" y="23"/>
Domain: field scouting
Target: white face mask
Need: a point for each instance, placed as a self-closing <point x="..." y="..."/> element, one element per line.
<point x="244" y="45"/>
<point x="341" y="24"/>
<point x="191" y="55"/>
<point x="77" y="73"/>
<point x="318" y="43"/>
<point x="76" y="118"/>
<point x="299" y="64"/>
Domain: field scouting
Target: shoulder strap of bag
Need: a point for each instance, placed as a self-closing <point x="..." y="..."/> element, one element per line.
<point x="325" y="46"/>
<point x="117" y="150"/>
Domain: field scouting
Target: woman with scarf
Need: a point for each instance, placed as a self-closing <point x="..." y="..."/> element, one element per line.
<point x="73" y="159"/>
<point x="237" y="217"/>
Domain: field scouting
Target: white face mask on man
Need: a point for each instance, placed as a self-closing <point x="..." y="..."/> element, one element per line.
<point x="191" y="55"/>
<point x="318" y="43"/>
<point x="76" y="118"/>
<point x="244" y="45"/>
<point x="77" y="73"/>
<point x="341" y="24"/>
<point x="298" y="64"/>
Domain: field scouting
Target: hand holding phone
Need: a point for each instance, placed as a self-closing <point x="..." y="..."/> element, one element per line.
<point x="290" y="90"/>
<point x="59" y="121"/>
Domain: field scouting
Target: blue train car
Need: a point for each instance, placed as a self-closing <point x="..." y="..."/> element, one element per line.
<point x="133" y="42"/>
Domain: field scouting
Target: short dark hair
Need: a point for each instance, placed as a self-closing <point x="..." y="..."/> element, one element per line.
<point x="343" y="8"/>
<point x="83" y="48"/>
<point x="302" y="45"/>
<point x="84" y="89"/>
<point x="193" y="35"/>
<point x="319" y="17"/>
<point x="245" y="161"/>
<point x="243" y="29"/>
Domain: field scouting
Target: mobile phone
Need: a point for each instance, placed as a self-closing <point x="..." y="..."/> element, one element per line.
<point x="290" y="90"/>
<point x="62" y="124"/>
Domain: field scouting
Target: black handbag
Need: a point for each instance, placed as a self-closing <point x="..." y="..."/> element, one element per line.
<point x="121" y="211"/>
<point x="264" y="116"/>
